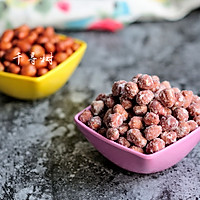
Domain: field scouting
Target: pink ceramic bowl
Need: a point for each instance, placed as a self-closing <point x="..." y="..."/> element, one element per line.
<point x="137" y="162"/>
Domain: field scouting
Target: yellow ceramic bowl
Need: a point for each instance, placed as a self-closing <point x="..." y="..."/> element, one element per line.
<point x="29" y="88"/>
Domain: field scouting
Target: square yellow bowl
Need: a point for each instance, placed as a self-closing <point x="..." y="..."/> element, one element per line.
<point x="30" y="88"/>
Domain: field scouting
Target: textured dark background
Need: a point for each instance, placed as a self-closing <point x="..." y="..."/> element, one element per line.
<point x="44" y="156"/>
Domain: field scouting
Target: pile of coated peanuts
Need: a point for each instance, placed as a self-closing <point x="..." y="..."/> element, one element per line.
<point x="33" y="52"/>
<point x="144" y="114"/>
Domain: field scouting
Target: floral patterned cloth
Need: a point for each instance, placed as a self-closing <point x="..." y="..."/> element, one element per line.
<point x="108" y="15"/>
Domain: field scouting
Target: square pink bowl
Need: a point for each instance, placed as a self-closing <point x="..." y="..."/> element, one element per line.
<point x="137" y="162"/>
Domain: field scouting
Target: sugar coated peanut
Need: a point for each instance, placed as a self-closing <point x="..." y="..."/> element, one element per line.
<point x="151" y="119"/>
<point x="94" y="123"/>
<point x="144" y="97"/>
<point x="110" y="101"/>
<point x="168" y="123"/>
<point x="115" y="120"/>
<point x="112" y="134"/>
<point x="156" y="107"/>
<point x="182" y="130"/>
<point x="135" y="136"/>
<point x="97" y="107"/>
<point x="140" y="110"/>
<point x="181" y="114"/>
<point x="136" y="122"/>
<point x="135" y="78"/>
<point x="155" y="145"/>
<point x="123" y="141"/>
<point x="197" y="119"/>
<point x="188" y="96"/>
<point x="169" y="137"/>
<point x="123" y="128"/>
<point x="101" y="97"/>
<point x="196" y="99"/>
<point x="145" y="82"/>
<point x="130" y="90"/>
<point x="139" y="149"/>
<point x="152" y="132"/>
<point x="85" y="116"/>
<point x="194" y="109"/>
<point x="167" y="97"/>
<point x="118" y="87"/>
<point x="119" y="109"/>
<point x="193" y="125"/>
<point x="126" y="103"/>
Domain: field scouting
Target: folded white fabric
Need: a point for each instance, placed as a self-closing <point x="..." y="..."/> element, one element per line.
<point x="90" y="14"/>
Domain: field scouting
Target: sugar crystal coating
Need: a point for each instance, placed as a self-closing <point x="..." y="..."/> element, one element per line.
<point x="101" y="97"/>
<point x="110" y="101"/>
<point x="123" y="141"/>
<point x="144" y="97"/>
<point x="176" y="90"/>
<point x="193" y="125"/>
<point x="151" y="119"/>
<point x="114" y="120"/>
<point x="181" y="114"/>
<point x="135" y="78"/>
<point x="179" y="100"/>
<point x="169" y="137"/>
<point x="135" y="148"/>
<point x="97" y="107"/>
<point x="182" y="130"/>
<point x="168" y="123"/>
<point x="165" y="84"/>
<point x="119" y="109"/>
<point x="195" y="99"/>
<point x="188" y="96"/>
<point x="145" y="82"/>
<point x="167" y="111"/>
<point x="167" y="97"/>
<point x="130" y="90"/>
<point x="112" y="134"/>
<point x="94" y="123"/>
<point x="197" y="119"/>
<point x="155" y="145"/>
<point x="156" y="83"/>
<point x="135" y="136"/>
<point x="85" y="116"/>
<point x="118" y="87"/>
<point x="105" y="118"/>
<point x="156" y="107"/>
<point x="194" y="109"/>
<point x="136" y="122"/>
<point x="140" y="110"/>
<point x="125" y="102"/>
<point x="152" y="132"/>
<point x="123" y="128"/>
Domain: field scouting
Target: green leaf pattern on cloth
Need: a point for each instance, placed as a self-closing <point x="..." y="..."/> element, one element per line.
<point x="44" y="6"/>
<point x="3" y="9"/>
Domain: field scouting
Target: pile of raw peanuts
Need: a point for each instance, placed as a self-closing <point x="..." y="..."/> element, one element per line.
<point x="33" y="52"/>
<point x="144" y="114"/>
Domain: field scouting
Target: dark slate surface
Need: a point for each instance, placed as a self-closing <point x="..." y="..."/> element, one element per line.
<point x="44" y="156"/>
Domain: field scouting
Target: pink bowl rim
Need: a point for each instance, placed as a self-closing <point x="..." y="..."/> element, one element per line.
<point x="144" y="156"/>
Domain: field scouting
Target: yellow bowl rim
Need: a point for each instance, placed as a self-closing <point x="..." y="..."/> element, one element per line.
<point x="37" y="79"/>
